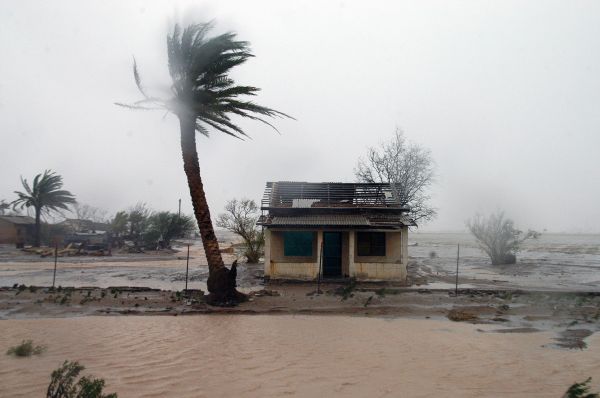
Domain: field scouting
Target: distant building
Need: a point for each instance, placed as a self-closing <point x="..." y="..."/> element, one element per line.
<point x="86" y="232"/>
<point x="19" y="230"/>
<point x="338" y="230"/>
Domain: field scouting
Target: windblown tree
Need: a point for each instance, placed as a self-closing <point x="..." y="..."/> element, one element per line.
<point x="240" y="218"/>
<point x="118" y="224"/>
<point x="45" y="195"/>
<point x="409" y="169"/>
<point x="164" y="226"/>
<point x="498" y="237"/>
<point x="203" y="96"/>
<point x="138" y="218"/>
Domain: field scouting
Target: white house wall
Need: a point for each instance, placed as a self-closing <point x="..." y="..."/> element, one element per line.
<point x="392" y="266"/>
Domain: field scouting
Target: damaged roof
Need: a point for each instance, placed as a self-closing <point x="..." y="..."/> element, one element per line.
<point x="23" y="220"/>
<point x="304" y="195"/>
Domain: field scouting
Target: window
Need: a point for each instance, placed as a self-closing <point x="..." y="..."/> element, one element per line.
<point x="371" y="243"/>
<point x="298" y="243"/>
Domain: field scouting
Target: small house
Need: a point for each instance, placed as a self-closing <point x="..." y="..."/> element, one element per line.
<point x="17" y="230"/>
<point x="336" y="230"/>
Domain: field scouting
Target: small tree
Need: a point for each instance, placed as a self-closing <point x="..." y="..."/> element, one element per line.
<point x="64" y="383"/>
<point x="138" y="217"/>
<point x="118" y="224"/>
<point x="240" y="218"/>
<point x="86" y="212"/>
<point x="498" y="237"/>
<point x="408" y="167"/>
<point x="164" y="226"/>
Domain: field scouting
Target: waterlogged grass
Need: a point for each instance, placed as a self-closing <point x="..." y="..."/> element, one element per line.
<point x="26" y="349"/>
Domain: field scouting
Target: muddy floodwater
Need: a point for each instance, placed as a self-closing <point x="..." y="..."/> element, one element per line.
<point x="306" y="356"/>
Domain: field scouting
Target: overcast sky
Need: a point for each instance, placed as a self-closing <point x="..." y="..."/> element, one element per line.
<point x="505" y="94"/>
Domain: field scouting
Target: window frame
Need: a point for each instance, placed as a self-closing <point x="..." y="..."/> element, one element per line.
<point x="298" y="252"/>
<point x="375" y="248"/>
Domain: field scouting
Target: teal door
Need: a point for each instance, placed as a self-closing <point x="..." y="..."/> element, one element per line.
<point x="332" y="254"/>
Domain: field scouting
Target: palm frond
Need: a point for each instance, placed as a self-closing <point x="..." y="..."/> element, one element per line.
<point x="45" y="193"/>
<point x="202" y="89"/>
<point x="138" y="81"/>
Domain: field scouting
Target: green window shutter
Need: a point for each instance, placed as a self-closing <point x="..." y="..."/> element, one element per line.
<point x="370" y="243"/>
<point x="298" y="243"/>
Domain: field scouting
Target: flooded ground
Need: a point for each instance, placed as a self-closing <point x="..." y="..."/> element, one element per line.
<point x="273" y="356"/>
<point x="157" y="270"/>
<point x="551" y="262"/>
<point x="372" y="341"/>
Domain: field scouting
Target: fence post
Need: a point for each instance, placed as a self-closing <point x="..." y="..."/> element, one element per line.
<point x="457" y="257"/>
<point x="187" y="267"/>
<point x="55" y="261"/>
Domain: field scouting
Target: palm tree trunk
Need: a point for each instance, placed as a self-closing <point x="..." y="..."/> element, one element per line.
<point x="37" y="227"/>
<point x="201" y="210"/>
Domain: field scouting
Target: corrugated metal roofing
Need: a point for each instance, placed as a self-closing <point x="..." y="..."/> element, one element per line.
<point x="318" y="220"/>
<point x="18" y="219"/>
<point x="289" y="194"/>
<point x="342" y="220"/>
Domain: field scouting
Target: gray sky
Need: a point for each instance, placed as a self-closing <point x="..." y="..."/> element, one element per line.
<point x="505" y="94"/>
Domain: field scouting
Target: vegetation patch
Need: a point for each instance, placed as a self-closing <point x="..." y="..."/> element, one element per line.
<point x="64" y="383"/>
<point x="461" y="316"/>
<point x="26" y="349"/>
<point x="347" y="290"/>
<point x="581" y="390"/>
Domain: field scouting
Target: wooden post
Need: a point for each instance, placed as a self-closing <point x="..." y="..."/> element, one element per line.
<point x="457" y="257"/>
<point x="320" y="269"/>
<point x="187" y="267"/>
<point x="55" y="261"/>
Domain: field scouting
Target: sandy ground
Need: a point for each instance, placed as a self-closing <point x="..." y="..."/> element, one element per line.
<point x="306" y="356"/>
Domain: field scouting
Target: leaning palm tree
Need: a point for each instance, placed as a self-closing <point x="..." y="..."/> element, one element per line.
<point x="45" y="196"/>
<point x="204" y="97"/>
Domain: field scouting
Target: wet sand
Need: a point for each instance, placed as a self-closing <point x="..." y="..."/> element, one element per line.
<point x="308" y="356"/>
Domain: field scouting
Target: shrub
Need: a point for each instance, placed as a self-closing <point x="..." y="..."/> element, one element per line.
<point x="64" y="383"/>
<point x="581" y="390"/>
<point x="498" y="237"/>
<point x="25" y="349"/>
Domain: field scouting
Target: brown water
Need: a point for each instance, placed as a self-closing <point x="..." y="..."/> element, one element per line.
<point x="307" y="356"/>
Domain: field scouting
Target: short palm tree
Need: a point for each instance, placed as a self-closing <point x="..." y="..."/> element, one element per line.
<point x="203" y="96"/>
<point x="45" y="195"/>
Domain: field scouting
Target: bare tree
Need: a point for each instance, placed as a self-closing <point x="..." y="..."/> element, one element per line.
<point x="408" y="167"/>
<point x="240" y="218"/>
<point x="86" y="212"/>
<point x="498" y="237"/>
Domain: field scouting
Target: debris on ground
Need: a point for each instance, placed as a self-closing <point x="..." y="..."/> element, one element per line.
<point x="461" y="316"/>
